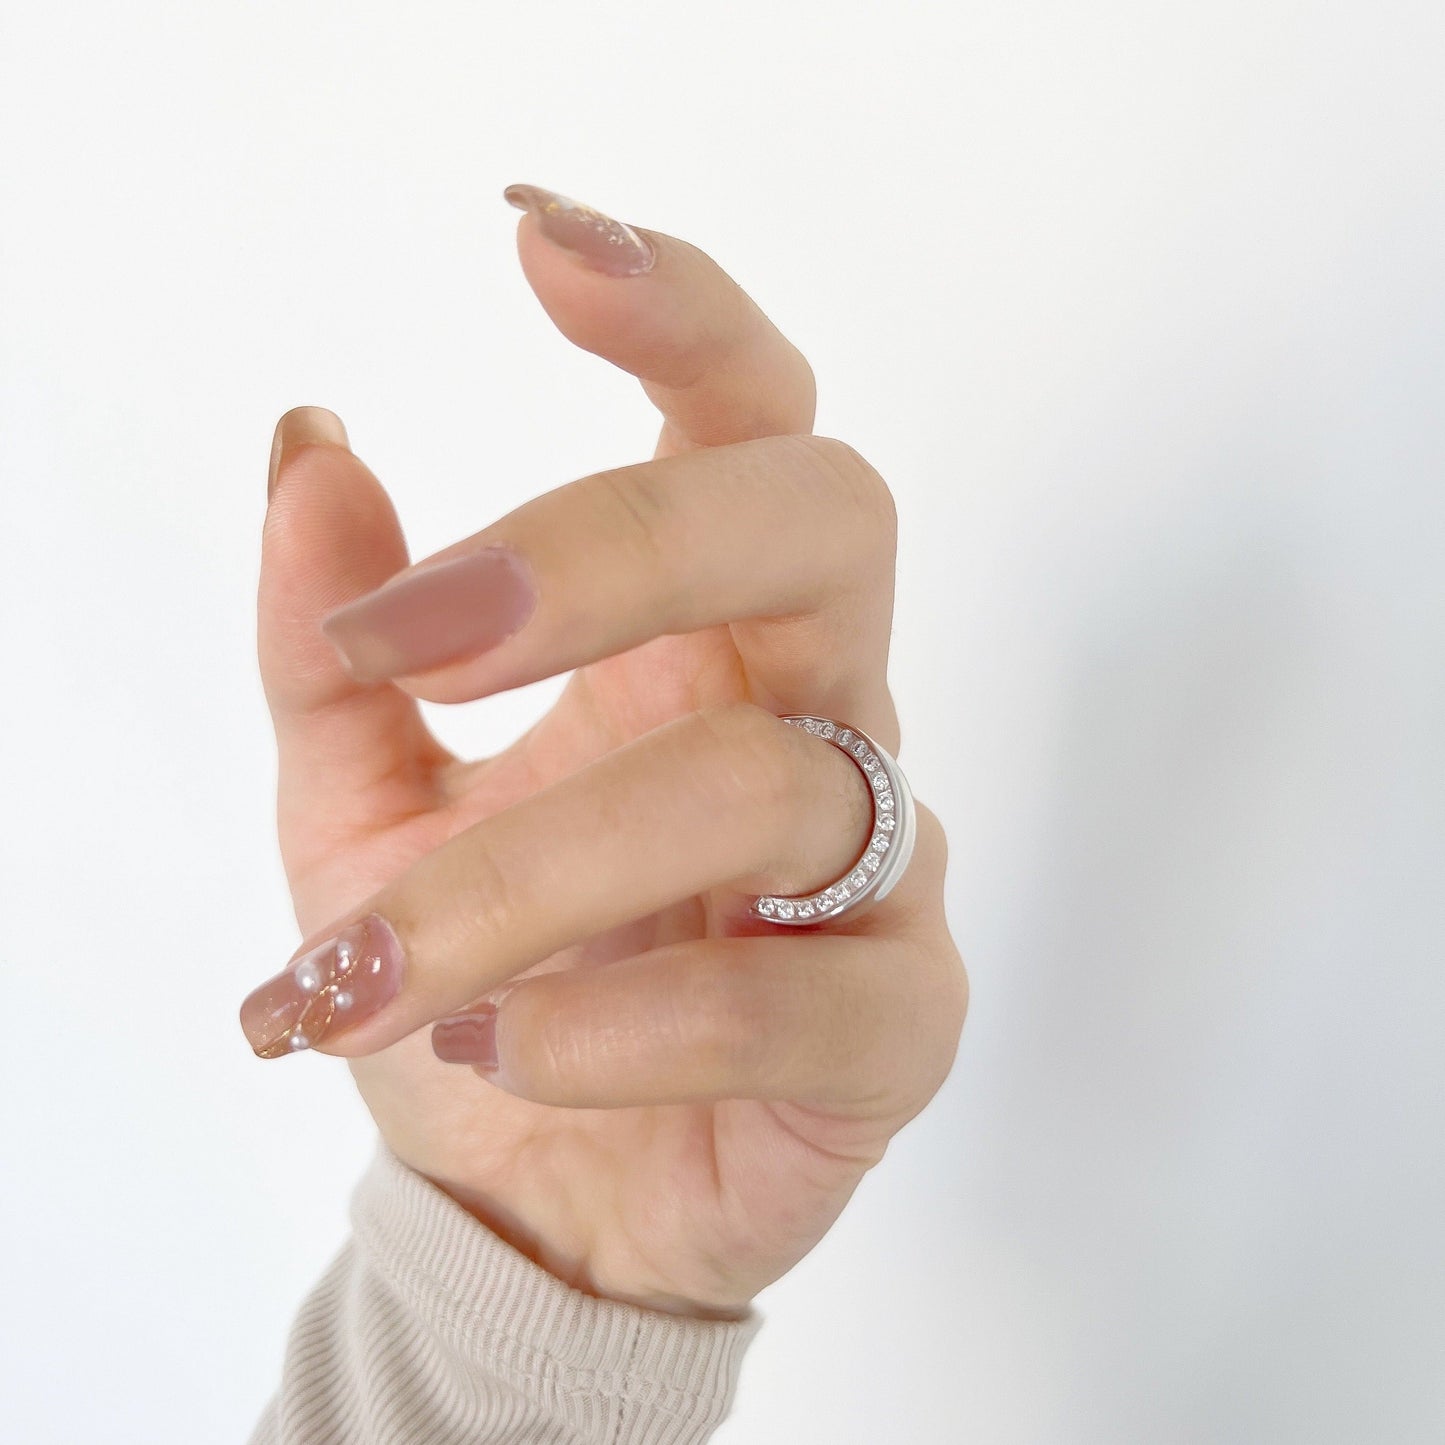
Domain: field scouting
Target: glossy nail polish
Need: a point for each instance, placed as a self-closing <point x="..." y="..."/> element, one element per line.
<point x="303" y="426"/>
<point x="604" y="244"/>
<point x="436" y="614"/>
<point x="332" y="987"/>
<point x="469" y="1038"/>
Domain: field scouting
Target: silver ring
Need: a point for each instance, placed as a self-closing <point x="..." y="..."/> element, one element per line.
<point x="890" y="843"/>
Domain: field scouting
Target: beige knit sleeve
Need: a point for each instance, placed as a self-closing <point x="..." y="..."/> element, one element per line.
<point x="427" y="1329"/>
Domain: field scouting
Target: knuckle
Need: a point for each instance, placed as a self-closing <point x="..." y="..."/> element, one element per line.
<point x="491" y="902"/>
<point x="857" y="484"/>
<point x="732" y="1024"/>
<point x="549" y="1054"/>
<point x="938" y="1007"/>
<point x="950" y="1005"/>
<point x="635" y="514"/>
<point x="921" y="892"/>
<point x="960" y="989"/>
<point x="947" y="965"/>
<point x="952" y="979"/>
<point x="932" y="841"/>
<point x="805" y="379"/>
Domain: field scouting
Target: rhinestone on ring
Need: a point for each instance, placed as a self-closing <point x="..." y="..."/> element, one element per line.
<point x="889" y="847"/>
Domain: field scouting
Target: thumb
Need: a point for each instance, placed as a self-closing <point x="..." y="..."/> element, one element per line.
<point x="352" y="758"/>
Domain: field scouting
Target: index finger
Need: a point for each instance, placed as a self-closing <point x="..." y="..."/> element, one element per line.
<point x="712" y="363"/>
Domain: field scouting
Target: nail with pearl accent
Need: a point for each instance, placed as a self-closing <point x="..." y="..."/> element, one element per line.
<point x="334" y="986"/>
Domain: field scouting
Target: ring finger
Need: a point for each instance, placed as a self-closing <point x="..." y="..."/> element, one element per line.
<point x="780" y="812"/>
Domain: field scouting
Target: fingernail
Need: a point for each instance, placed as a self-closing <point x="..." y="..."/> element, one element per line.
<point x="469" y="1038"/>
<point x="334" y="986"/>
<point x="436" y="614"/>
<point x="303" y="426"/>
<point x="604" y="244"/>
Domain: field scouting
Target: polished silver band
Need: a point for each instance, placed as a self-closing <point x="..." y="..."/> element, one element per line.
<point x="890" y="844"/>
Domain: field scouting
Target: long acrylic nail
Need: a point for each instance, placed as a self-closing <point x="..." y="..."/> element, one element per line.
<point x="436" y="614"/>
<point x="469" y="1038"/>
<point x="334" y="986"/>
<point x="303" y="426"/>
<point x="604" y="244"/>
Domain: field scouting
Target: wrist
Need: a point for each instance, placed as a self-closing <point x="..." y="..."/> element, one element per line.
<point x="565" y="1252"/>
<point x="610" y="1368"/>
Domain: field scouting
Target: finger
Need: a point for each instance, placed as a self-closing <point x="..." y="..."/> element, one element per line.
<point x="350" y="754"/>
<point x="850" y="1023"/>
<point x="712" y="363"/>
<point x="790" y="539"/>
<point x="730" y="796"/>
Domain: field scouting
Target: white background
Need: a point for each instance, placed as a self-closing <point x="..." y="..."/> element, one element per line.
<point x="1139" y="307"/>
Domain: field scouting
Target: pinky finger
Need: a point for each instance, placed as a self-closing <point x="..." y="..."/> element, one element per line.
<point x="855" y="1024"/>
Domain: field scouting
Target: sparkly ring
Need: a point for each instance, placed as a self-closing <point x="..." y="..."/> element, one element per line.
<point x="890" y="844"/>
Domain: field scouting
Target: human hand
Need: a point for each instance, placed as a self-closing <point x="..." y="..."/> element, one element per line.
<point x="670" y="1100"/>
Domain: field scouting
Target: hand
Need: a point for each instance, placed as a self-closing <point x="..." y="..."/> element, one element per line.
<point x="668" y="1102"/>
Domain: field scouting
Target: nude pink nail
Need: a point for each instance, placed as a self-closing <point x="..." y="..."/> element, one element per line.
<point x="330" y="988"/>
<point x="469" y="1038"/>
<point x="436" y="614"/>
<point x="604" y="244"/>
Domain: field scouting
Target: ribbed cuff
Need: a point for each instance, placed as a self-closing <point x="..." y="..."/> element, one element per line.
<point x="603" y="1370"/>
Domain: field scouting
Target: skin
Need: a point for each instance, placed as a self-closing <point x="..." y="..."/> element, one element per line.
<point x="686" y="1097"/>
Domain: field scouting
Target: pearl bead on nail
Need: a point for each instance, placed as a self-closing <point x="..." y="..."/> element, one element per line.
<point x="308" y="976"/>
<point x="343" y="998"/>
<point x="300" y="1041"/>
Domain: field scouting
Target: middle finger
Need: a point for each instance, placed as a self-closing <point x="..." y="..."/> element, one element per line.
<point x="790" y="539"/>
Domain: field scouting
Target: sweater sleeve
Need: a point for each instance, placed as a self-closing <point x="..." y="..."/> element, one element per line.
<point x="428" y="1329"/>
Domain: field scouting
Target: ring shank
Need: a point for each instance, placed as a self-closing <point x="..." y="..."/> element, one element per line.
<point x="878" y="868"/>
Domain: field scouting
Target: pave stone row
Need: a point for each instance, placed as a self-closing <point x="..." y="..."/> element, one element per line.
<point x="821" y="904"/>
